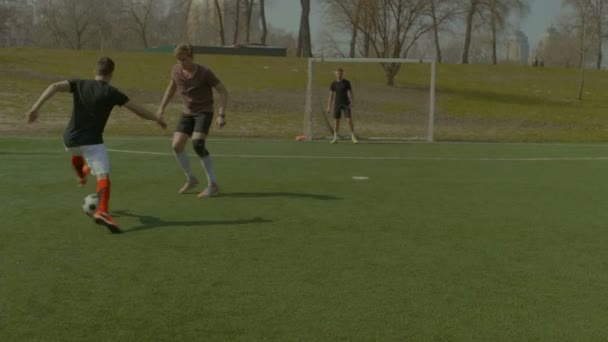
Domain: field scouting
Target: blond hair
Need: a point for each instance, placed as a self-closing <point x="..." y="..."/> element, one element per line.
<point x="184" y="48"/>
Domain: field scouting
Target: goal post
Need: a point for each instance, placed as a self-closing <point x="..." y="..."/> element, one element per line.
<point x="310" y="108"/>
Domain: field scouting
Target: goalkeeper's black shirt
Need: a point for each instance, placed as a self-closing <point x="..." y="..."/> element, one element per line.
<point x="93" y="103"/>
<point x="341" y="88"/>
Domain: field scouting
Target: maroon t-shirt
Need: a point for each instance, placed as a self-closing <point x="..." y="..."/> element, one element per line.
<point x="197" y="91"/>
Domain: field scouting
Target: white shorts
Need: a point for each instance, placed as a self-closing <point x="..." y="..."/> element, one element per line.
<point x="96" y="157"/>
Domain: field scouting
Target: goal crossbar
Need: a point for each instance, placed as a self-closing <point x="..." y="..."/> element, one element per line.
<point x="309" y="87"/>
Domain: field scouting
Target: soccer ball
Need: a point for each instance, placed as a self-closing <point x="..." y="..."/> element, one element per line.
<point x="90" y="204"/>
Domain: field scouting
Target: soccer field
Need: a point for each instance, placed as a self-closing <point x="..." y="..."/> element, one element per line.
<point x="309" y="242"/>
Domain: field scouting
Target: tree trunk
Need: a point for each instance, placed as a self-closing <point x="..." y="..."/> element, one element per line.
<point x="263" y="19"/>
<point x="469" y="29"/>
<point x="237" y="22"/>
<point x="600" y="40"/>
<point x="438" y="56"/>
<point x="220" y="19"/>
<point x="304" y="41"/>
<point x="249" y="13"/>
<point x="493" y="24"/>
<point x="389" y="72"/>
<point x="355" y="30"/>
<point x="581" y="83"/>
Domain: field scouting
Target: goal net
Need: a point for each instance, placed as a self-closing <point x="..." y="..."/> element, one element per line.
<point x="403" y="111"/>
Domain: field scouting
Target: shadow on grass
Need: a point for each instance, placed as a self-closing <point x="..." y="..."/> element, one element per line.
<point x="531" y="99"/>
<point x="7" y="153"/>
<point x="279" y="194"/>
<point x="152" y="222"/>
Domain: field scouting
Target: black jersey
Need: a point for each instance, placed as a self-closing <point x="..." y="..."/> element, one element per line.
<point x="93" y="103"/>
<point x="341" y="88"/>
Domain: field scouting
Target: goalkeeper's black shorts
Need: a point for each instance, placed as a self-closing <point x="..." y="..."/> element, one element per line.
<point x="338" y="110"/>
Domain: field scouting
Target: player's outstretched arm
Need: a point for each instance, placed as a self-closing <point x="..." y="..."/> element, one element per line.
<point x="144" y="113"/>
<point x="221" y="118"/>
<point x="63" y="86"/>
<point x="169" y="92"/>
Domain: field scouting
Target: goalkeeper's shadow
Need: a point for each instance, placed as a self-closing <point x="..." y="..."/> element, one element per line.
<point x="152" y="222"/>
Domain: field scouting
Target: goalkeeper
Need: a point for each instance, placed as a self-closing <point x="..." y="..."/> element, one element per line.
<point x="341" y="94"/>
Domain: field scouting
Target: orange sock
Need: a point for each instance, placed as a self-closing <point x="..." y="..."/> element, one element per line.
<point x="77" y="164"/>
<point x="103" y="193"/>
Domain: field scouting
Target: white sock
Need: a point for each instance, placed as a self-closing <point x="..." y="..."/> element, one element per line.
<point x="184" y="162"/>
<point x="208" y="166"/>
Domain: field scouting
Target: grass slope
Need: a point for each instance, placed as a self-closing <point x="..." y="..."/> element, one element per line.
<point x="474" y="102"/>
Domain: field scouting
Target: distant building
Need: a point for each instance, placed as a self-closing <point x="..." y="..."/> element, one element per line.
<point x="545" y="40"/>
<point x="518" y="48"/>
<point x="203" y="25"/>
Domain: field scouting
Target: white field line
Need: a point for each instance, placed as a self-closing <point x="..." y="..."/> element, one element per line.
<point x="261" y="156"/>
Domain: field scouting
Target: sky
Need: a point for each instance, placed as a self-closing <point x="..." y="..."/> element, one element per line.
<point x="285" y="14"/>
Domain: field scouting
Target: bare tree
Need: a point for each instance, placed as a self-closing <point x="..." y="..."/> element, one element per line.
<point x="142" y="14"/>
<point x="237" y="22"/>
<point x="263" y="21"/>
<point x="471" y="7"/>
<point x="72" y="22"/>
<point x="345" y="15"/>
<point x="441" y="12"/>
<point x="249" y="4"/>
<point x="584" y="14"/>
<point x="396" y="27"/>
<point x="220" y="18"/>
<point x="390" y="28"/>
<point x="304" y="39"/>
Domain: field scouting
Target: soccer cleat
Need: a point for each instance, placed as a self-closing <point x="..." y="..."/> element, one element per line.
<point x="333" y="141"/>
<point x="105" y="219"/>
<point x="191" y="183"/>
<point x="210" y="191"/>
<point x="354" y="139"/>
<point x="85" y="172"/>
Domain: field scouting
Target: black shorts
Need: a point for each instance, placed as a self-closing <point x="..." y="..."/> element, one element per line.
<point x="342" y="108"/>
<point x="199" y="123"/>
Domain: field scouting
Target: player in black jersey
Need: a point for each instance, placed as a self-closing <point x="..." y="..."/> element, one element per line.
<point x="341" y="94"/>
<point x="93" y="101"/>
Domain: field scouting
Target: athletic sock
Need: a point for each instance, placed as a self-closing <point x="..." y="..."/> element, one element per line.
<point x="208" y="166"/>
<point x="103" y="193"/>
<point x="77" y="164"/>
<point x="184" y="162"/>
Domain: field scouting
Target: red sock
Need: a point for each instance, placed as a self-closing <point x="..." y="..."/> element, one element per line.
<point x="77" y="164"/>
<point x="103" y="193"/>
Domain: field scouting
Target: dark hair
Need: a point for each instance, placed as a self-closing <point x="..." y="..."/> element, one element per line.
<point x="105" y="66"/>
<point x="340" y="69"/>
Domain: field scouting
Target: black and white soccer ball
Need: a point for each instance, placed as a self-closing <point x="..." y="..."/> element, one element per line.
<point x="91" y="202"/>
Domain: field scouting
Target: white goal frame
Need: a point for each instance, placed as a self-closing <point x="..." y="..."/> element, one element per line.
<point x="308" y="122"/>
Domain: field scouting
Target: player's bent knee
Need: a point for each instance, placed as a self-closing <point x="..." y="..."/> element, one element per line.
<point x="199" y="148"/>
<point x="177" y="148"/>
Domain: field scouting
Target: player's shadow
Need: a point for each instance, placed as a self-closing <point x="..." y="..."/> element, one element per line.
<point x="152" y="222"/>
<point x="25" y="153"/>
<point x="279" y="194"/>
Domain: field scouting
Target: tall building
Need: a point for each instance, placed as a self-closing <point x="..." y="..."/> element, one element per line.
<point x="518" y="48"/>
<point x="544" y="43"/>
<point x="203" y="22"/>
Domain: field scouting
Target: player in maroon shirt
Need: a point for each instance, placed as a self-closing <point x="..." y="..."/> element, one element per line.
<point x="195" y="84"/>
